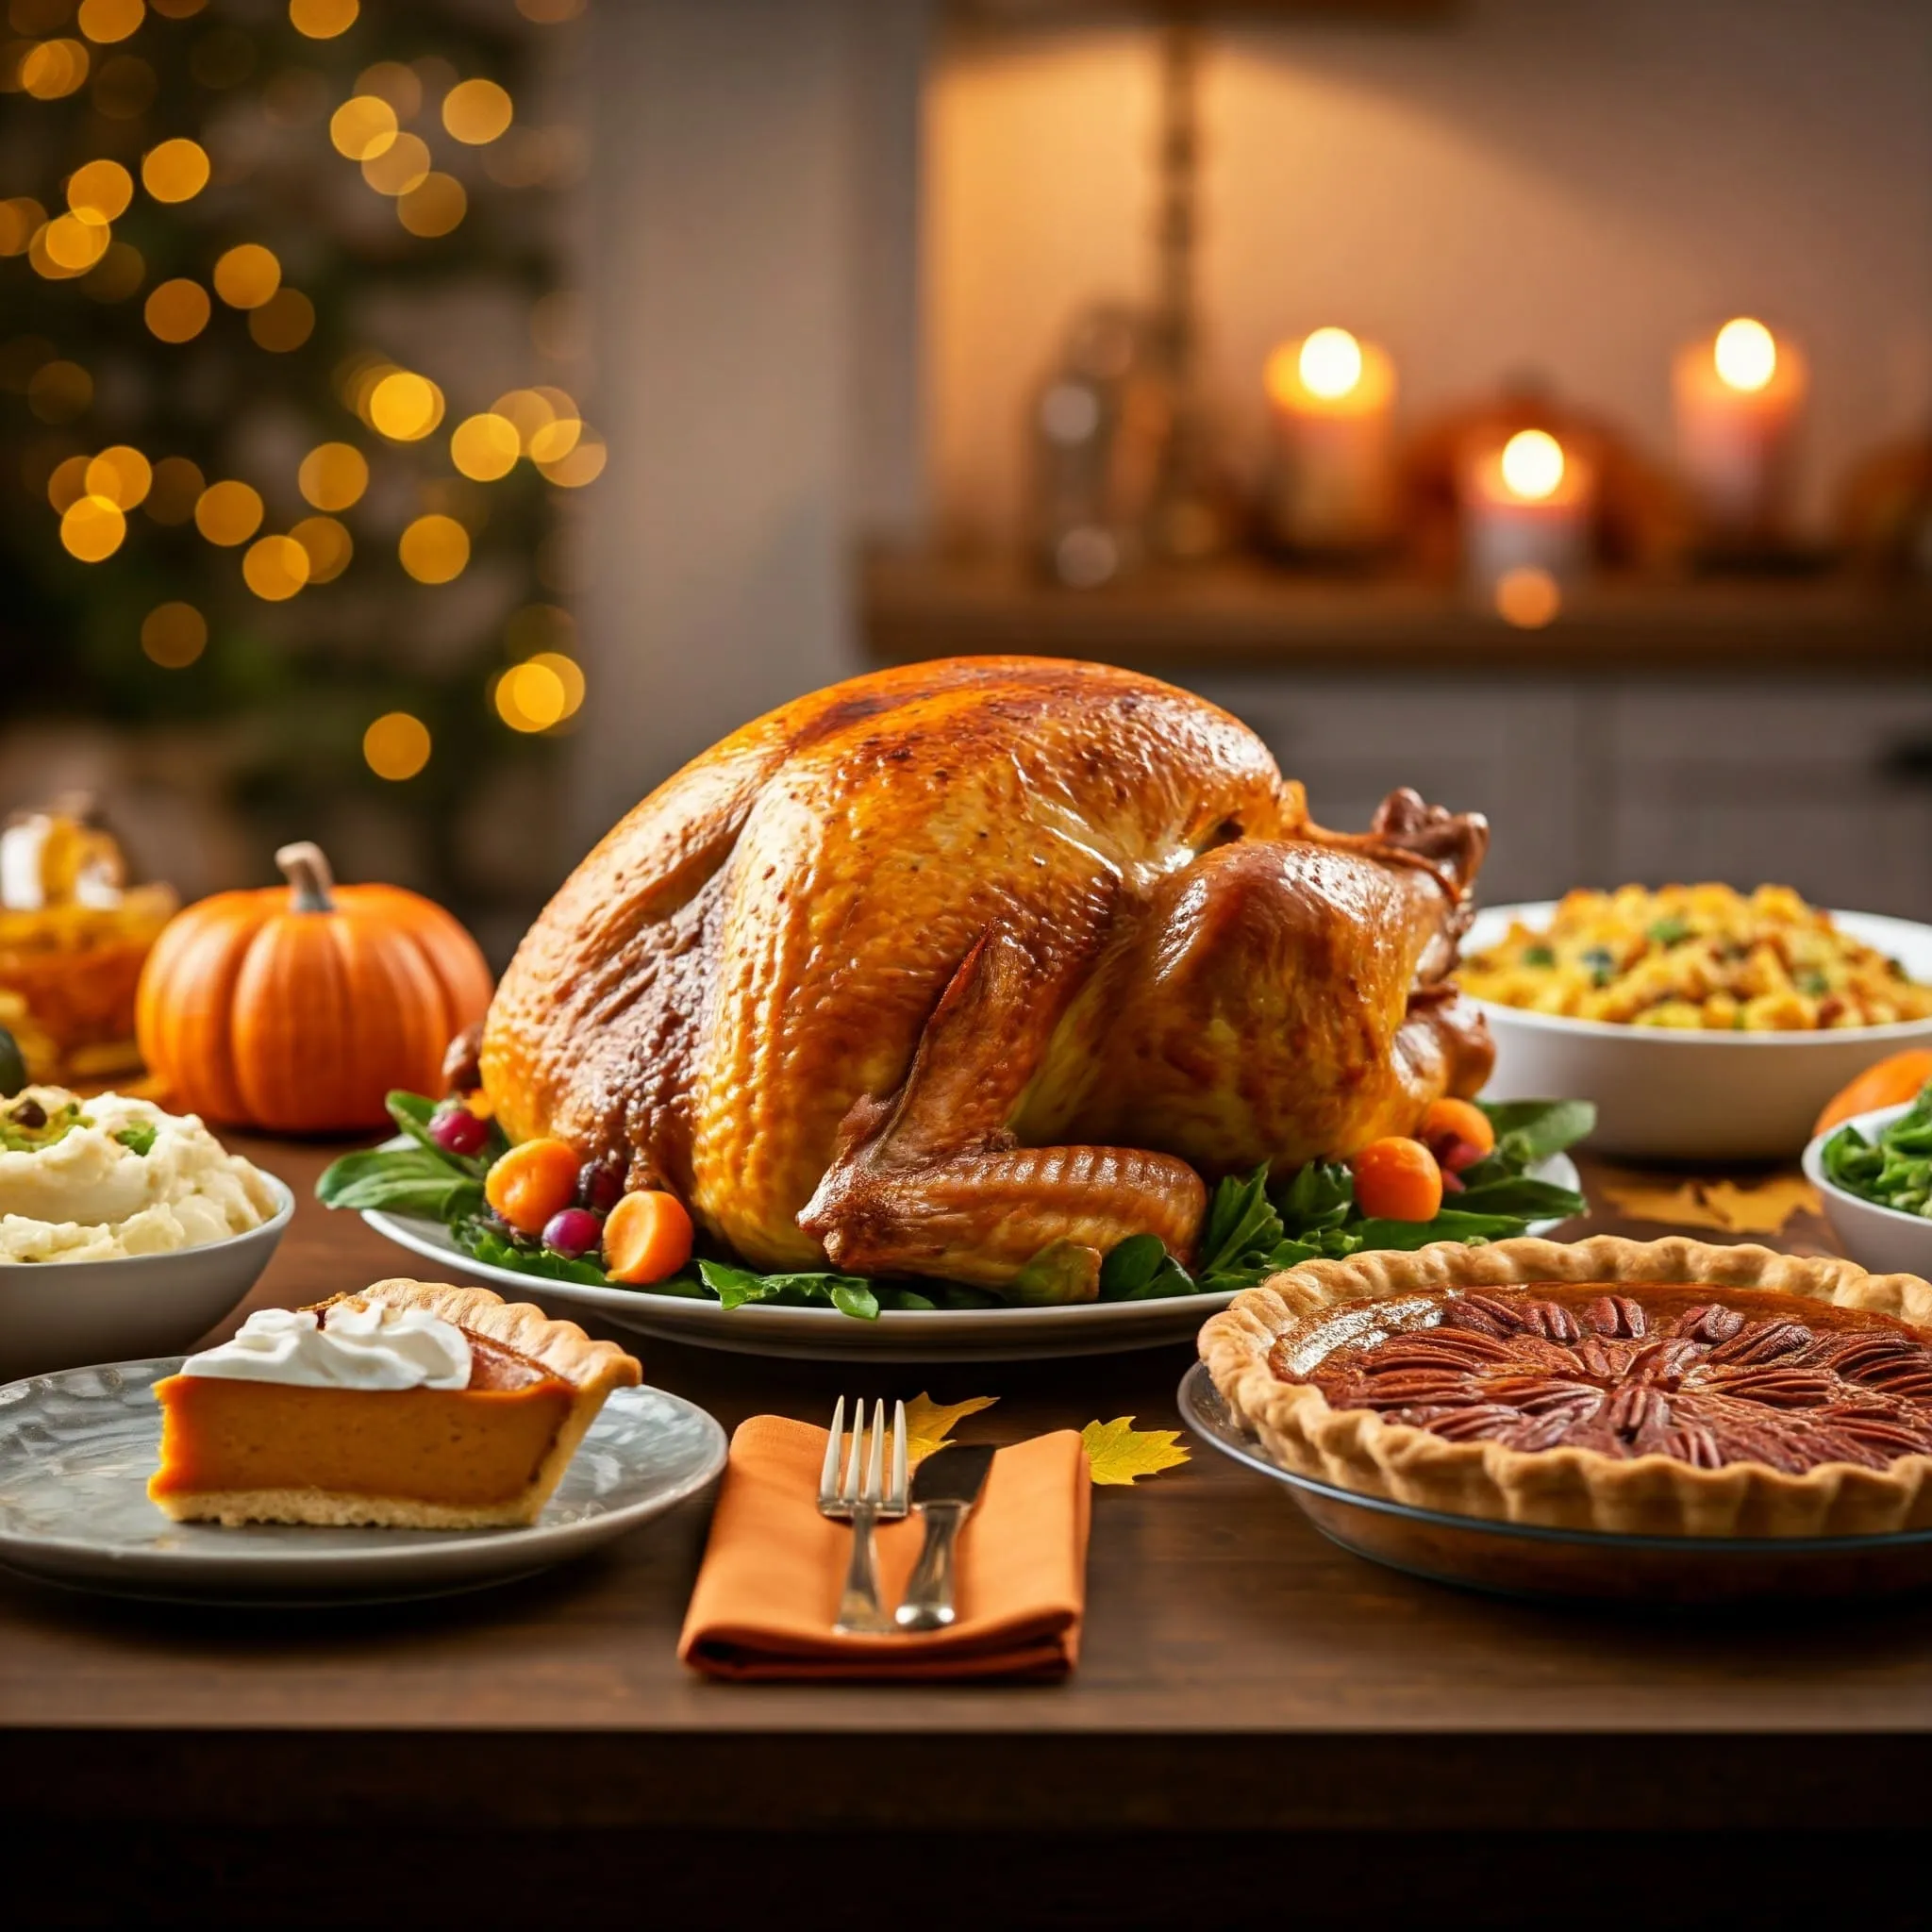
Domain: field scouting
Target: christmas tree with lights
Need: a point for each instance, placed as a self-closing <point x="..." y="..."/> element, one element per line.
<point x="260" y="481"/>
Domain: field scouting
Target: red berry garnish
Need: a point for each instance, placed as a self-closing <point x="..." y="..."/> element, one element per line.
<point x="457" y="1130"/>
<point x="572" y="1231"/>
<point x="600" y="1185"/>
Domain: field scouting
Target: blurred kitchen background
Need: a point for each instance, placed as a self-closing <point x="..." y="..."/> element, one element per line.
<point x="436" y="422"/>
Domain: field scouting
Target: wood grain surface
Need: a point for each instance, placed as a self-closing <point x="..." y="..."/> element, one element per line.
<point x="1239" y="1673"/>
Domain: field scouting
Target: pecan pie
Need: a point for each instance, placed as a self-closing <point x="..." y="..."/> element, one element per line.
<point x="1662" y="1388"/>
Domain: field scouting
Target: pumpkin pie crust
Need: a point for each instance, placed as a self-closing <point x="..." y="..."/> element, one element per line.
<point x="484" y="1455"/>
<point x="1664" y="1387"/>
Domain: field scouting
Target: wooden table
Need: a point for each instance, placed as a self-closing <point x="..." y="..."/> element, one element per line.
<point x="1241" y="1679"/>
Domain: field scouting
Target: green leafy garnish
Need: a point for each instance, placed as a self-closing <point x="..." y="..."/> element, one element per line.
<point x="1252" y="1229"/>
<point x="1669" y="932"/>
<point x="502" y="1248"/>
<point x="27" y="1127"/>
<point x="402" y="1180"/>
<point x="138" y="1140"/>
<point x="1895" y="1170"/>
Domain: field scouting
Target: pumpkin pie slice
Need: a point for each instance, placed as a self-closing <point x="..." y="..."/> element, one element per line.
<point x="410" y="1404"/>
<point x="1648" y="1388"/>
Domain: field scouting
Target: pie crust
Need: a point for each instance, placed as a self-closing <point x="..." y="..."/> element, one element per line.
<point x="450" y="1458"/>
<point x="1565" y="1487"/>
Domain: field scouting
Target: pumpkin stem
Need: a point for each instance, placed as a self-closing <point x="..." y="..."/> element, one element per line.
<point x="306" y="871"/>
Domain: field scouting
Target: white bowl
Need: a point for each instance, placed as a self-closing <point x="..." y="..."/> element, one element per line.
<point x="1671" y="1095"/>
<point x="65" y="1314"/>
<point x="1881" y="1239"/>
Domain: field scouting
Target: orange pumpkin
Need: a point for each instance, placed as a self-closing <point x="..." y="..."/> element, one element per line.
<point x="297" y="1008"/>
<point x="1890" y="1083"/>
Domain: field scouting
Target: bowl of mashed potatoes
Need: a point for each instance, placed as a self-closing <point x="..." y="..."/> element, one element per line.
<point x="125" y="1230"/>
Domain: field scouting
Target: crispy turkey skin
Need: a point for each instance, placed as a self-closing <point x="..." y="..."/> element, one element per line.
<point x="971" y="969"/>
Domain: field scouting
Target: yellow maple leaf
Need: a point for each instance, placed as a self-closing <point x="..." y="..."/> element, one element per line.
<point x="1678" y="1207"/>
<point x="1763" y="1209"/>
<point x="1117" y="1451"/>
<point x="929" y="1425"/>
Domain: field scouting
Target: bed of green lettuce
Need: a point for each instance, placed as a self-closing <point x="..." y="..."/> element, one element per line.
<point x="1252" y="1228"/>
<point x="1893" y="1171"/>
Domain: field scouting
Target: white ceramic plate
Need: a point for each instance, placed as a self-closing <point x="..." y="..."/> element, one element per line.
<point x="1886" y="1241"/>
<point x="57" y="1314"/>
<point x="76" y="1450"/>
<point x="910" y="1335"/>
<point x="1665" y="1094"/>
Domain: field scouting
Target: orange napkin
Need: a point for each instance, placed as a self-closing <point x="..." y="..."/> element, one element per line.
<point x="769" y="1587"/>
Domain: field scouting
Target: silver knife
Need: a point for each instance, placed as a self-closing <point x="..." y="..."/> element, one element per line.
<point x="944" y="1489"/>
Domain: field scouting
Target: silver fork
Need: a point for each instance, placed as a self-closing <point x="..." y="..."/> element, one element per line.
<point x="864" y="1498"/>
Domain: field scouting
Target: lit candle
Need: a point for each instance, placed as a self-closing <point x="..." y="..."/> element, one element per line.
<point x="1737" y="399"/>
<point x="1529" y="505"/>
<point x="1330" y="486"/>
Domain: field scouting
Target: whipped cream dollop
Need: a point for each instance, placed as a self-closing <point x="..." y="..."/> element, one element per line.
<point x="367" y="1347"/>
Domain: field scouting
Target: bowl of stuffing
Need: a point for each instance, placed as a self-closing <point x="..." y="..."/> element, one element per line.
<point x="1704" y="1023"/>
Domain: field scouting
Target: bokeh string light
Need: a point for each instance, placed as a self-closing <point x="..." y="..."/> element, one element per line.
<point x="175" y="170"/>
<point x="396" y="745"/>
<point x="105" y="22"/>
<point x="178" y="311"/>
<point x="333" y="476"/>
<point x="145" y="427"/>
<point x="228" y="513"/>
<point x="434" y="549"/>
<point x="174" y="635"/>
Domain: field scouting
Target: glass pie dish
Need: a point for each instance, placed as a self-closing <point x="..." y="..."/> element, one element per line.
<point x="1528" y="1560"/>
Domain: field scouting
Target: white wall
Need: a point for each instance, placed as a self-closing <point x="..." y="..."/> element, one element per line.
<point x="749" y="263"/>
<point x="1568" y="188"/>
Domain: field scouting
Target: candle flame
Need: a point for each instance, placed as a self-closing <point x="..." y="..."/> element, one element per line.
<point x="1746" y="354"/>
<point x="1330" y="362"/>
<point x="1533" y="464"/>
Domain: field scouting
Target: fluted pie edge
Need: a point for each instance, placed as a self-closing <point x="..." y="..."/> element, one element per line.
<point x="1566" y="1487"/>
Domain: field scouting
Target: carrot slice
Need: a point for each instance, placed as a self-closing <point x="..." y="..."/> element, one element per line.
<point x="532" y="1182"/>
<point x="647" y="1238"/>
<point x="1456" y="1132"/>
<point x="1397" y="1179"/>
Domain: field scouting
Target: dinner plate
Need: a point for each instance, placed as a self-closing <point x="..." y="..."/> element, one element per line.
<point x="1674" y="1094"/>
<point x="1526" y="1561"/>
<point x="908" y="1334"/>
<point x="76" y="1449"/>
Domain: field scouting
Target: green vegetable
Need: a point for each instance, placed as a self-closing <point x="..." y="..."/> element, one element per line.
<point x="1894" y="1171"/>
<point x="138" y="1139"/>
<point x="851" y="1294"/>
<point x="501" y="1248"/>
<point x="402" y="1180"/>
<point x="1539" y="956"/>
<point x="12" y="1064"/>
<point x="1528" y="1132"/>
<point x="1250" y="1230"/>
<point x="26" y="1126"/>
<point x="1669" y="932"/>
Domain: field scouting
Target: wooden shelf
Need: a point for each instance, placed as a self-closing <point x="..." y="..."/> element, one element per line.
<point x="1244" y="615"/>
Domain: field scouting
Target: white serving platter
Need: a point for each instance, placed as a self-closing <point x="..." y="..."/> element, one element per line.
<point x="911" y="1335"/>
<point x="76" y="1449"/>
<point x="1667" y="1095"/>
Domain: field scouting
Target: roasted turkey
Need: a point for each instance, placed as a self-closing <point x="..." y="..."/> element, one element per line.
<point x="973" y="969"/>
